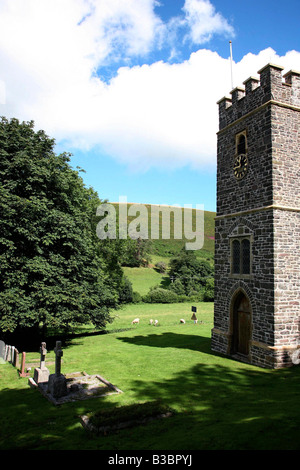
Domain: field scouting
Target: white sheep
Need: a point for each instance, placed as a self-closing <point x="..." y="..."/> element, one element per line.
<point x="182" y="320"/>
<point x="151" y="322"/>
<point x="155" y="322"/>
<point x="136" y="320"/>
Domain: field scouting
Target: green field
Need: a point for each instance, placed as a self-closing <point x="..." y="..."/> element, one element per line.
<point x="144" y="278"/>
<point x="219" y="403"/>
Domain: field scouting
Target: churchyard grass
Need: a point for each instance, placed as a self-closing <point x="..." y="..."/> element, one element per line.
<point x="219" y="403"/>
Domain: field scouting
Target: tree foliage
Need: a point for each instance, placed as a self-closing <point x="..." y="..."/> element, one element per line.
<point x="53" y="271"/>
<point x="136" y="252"/>
<point x="190" y="275"/>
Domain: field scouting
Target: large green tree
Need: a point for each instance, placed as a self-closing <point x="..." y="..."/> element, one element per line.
<point x="53" y="272"/>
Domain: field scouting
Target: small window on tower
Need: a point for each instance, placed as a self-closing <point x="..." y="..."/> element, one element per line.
<point x="241" y="259"/>
<point x="241" y="144"/>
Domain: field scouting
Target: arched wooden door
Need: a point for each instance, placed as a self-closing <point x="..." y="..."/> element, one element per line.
<point x="241" y="331"/>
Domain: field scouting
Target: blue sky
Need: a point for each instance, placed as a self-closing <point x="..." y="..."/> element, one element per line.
<point x="129" y="87"/>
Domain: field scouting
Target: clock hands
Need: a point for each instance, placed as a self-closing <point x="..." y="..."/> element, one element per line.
<point x="240" y="165"/>
<point x="238" y="158"/>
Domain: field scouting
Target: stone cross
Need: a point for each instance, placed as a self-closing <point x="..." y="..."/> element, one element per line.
<point x="58" y="355"/>
<point x="41" y="374"/>
<point x="43" y="352"/>
<point x="57" y="384"/>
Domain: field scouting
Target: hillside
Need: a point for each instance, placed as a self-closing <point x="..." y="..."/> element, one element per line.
<point x="167" y="248"/>
<point x="143" y="279"/>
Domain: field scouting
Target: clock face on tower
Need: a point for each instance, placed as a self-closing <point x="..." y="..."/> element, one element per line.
<point x="240" y="166"/>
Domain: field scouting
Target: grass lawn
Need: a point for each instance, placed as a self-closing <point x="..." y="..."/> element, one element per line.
<point x="219" y="403"/>
<point x="144" y="278"/>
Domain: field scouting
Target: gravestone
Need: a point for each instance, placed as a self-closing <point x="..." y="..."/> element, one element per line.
<point x="194" y="310"/>
<point x="41" y="374"/>
<point x="12" y="354"/>
<point x="2" y="352"/>
<point x="57" y="384"/>
<point x="16" y="362"/>
<point x="23" y="373"/>
<point x="8" y="353"/>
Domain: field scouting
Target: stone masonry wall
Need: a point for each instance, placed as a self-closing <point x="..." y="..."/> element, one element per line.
<point x="256" y="189"/>
<point x="287" y="277"/>
<point x="286" y="156"/>
<point x="258" y="286"/>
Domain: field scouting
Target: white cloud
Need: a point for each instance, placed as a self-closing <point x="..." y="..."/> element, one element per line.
<point x="2" y="92"/>
<point x="150" y="115"/>
<point x="204" y="21"/>
<point x="126" y="27"/>
<point x="162" y="114"/>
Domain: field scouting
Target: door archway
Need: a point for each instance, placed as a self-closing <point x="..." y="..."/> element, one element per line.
<point x="241" y="324"/>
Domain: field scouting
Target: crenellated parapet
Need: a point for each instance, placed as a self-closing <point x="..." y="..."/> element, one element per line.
<point x="269" y="87"/>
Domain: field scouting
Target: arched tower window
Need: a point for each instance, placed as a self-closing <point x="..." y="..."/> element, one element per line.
<point x="241" y="240"/>
<point x="241" y="144"/>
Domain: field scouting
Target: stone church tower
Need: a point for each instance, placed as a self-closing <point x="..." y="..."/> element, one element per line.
<point x="257" y="227"/>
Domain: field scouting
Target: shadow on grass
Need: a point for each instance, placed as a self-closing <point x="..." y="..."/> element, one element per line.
<point x="172" y="340"/>
<point x="223" y="406"/>
<point x="229" y="408"/>
<point x="218" y="407"/>
<point x="30" y="422"/>
<point x="28" y="343"/>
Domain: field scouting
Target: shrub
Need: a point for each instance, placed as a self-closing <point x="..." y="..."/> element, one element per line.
<point x="126" y="292"/>
<point x="159" y="295"/>
<point x="136" y="297"/>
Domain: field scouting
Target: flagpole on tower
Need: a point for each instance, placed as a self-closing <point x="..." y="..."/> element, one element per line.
<point x="231" y="64"/>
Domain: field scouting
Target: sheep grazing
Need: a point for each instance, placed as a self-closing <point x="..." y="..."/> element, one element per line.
<point x="182" y="320"/>
<point x="151" y="322"/>
<point x="136" y="320"/>
<point x="155" y="322"/>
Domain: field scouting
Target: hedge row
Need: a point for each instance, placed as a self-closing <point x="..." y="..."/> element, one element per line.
<point x="166" y="296"/>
